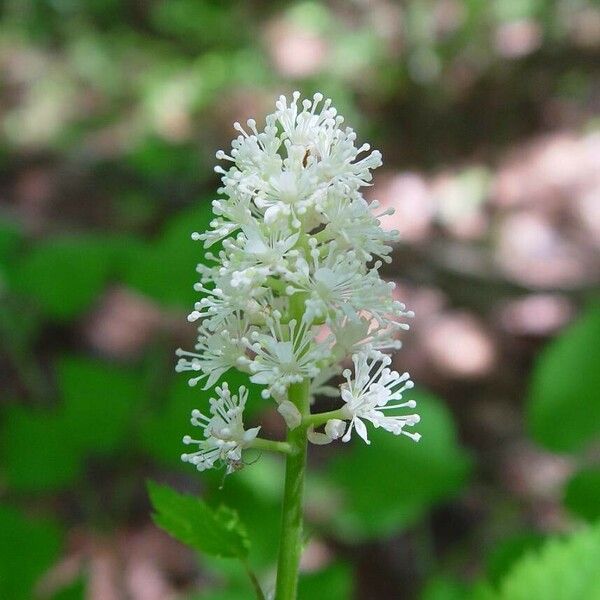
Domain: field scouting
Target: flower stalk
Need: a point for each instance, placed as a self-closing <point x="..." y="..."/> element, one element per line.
<point x="291" y="535"/>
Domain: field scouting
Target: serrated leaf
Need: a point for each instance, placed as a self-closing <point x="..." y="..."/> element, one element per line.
<point x="65" y="274"/>
<point x="28" y="547"/>
<point x="192" y="522"/>
<point x="395" y="481"/>
<point x="564" y="569"/>
<point x="260" y="486"/>
<point x="98" y="400"/>
<point x="563" y="405"/>
<point x="582" y="494"/>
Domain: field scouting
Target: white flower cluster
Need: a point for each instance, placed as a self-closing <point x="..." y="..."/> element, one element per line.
<point x="294" y="286"/>
<point x="224" y="433"/>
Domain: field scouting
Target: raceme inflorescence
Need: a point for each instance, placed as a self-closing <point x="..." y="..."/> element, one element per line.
<point x="296" y="233"/>
<point x="290" y="294"/>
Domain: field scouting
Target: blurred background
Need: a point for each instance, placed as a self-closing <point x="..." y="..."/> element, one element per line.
<point x="488" y="117"/>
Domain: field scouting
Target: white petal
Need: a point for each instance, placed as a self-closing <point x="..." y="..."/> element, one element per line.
<point x="316" y="437"/>
<point x="361" y="430"/>
<point x="290" y="414"/>
<point x="335" y="428"/>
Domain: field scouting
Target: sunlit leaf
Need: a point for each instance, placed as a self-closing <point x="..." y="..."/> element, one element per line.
<point x="507" y="552"/>
<point x="563" y="569"/>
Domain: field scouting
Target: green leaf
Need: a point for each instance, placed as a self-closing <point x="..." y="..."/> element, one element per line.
<point x="260" y="486"/>
<point x="73" y="591"/>
<point x="191" y="521"/>
<point x="98" y="402"/>
<point x="10" y="236"/>
<point x="45" y="449"/>
<point x="36" y="450"/>
<point x="444" y="588"/>
<point x="165" y="270"/>
<point x="334" y="582"/>
<point x="65" y="274"/>
<point x="582" y="495"/>
<point x="564" y="569"/>
<point x="28" y="547"/>
<point x="563" y="406"/>
<point x="508" y="552"/>
<point x="393" y="482"/>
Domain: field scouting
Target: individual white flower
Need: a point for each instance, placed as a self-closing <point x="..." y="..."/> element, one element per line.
<point x="267" y="250"/>
<point x="375" y="389"/>
<point x="231" y="296"/>
<point x="331" y="281"/>
<point x="215" y="353"/>
<point x="349" y="221"/>
<point x="231" y="214"/>
<point x="351" y="335"/>
<point x="286" y="355"/>
<point x="340" y="287"/>
<point x="224" y="433"/>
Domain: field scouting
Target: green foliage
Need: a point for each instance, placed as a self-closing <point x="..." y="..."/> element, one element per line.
<point x="443" y="588"/>
<point x="46" y="449"/>
<point x="334" y="580"/>
<point x="73" y="591"/>
<point x="582" y="495"/>
<point x="36" y="450"/>
<point x="191" y="521"/>
<point x="564" y="569"/>
<point x="260" y="487"/>
<point x="28" y="547"/>
<point x="98" y="402"/>
<point x="394" y="481"/>
<point x="508" y="552"/>
<point x="10" y="236"/>
<point x="563" y="406"/>
<point x="199" y="22"/>
<point x="64" y="275"/>
<point x="164" y="270"/>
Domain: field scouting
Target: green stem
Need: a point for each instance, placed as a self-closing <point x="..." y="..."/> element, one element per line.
<point x="254" y="580"/>
<point x="321" y="418"/>
<point x="291" y="534"/>
<point x="290" y="545"/>
<point x="271" y="446"/>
